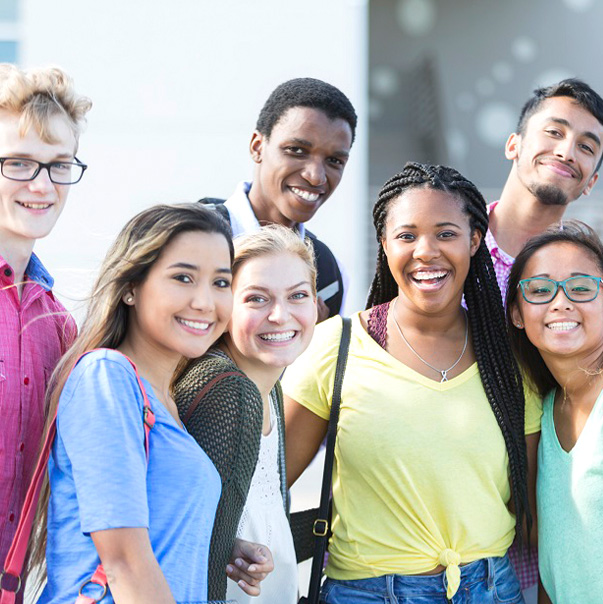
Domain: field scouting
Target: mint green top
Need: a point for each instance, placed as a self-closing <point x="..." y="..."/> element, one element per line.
<point x="570" y="510"/>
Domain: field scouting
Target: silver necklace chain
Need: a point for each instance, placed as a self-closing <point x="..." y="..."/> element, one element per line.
<point x="443" y="372"/>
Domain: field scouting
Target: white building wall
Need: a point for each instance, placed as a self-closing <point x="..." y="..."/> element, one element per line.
<point x="177" y="87"/>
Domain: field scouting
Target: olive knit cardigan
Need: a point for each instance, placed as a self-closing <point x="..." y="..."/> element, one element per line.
<point x="223" y="410"/>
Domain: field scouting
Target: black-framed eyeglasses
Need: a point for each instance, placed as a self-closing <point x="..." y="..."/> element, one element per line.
<point x="25" y="169"/>
<point x="539" y="290"/>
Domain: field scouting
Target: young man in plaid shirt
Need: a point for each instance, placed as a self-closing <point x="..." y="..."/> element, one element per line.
<point x="40" y="121"/>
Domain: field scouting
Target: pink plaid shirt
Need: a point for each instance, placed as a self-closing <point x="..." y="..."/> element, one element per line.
<point x="526" y="569"/>
<point x="34" y="332"/>
<point x="501" y="260"/>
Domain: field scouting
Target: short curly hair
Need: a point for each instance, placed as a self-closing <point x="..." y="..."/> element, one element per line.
<point x="306" y="92"/>
<point x="38" y="95"/>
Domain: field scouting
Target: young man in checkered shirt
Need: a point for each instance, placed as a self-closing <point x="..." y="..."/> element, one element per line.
<point x="556" y="153"/>
<point x="40" y="121"/>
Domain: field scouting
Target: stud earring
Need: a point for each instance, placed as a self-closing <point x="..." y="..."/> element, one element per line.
<point x="129" y="299"/>
<point x="519" y="325"/>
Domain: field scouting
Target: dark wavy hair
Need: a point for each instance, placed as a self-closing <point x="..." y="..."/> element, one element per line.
<point x="576" y="233"/>
<point x="306" y="92"/>
<point x="497" y="367"/>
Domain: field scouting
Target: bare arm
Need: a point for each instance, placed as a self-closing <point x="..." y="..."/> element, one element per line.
<point x="532" y="441"/>
<point x="304" y="431"/>
<point x="132" y="570"/>
<point x="543" y="597"/>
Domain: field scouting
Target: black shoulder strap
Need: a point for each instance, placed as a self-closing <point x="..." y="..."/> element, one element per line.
<point x="321" y="525"/>
<point x="216" y="203"/>
<point x="328" y="273"/>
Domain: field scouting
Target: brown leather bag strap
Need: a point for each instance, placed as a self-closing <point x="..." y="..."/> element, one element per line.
<point x="205" y="390"/>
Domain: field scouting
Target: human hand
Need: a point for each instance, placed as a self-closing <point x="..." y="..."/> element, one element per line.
<point x="322" y="310"/>
<point x="250" y="563"/>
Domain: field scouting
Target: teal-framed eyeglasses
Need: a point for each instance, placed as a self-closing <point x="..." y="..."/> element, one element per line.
<point x="539" y="290"/>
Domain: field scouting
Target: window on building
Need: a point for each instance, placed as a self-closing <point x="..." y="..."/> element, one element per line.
<point x="9" y="39"/>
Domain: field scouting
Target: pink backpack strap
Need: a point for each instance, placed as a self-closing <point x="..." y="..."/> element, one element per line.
<point x="13" y="566"/>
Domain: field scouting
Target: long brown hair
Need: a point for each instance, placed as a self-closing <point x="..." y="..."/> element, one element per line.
<point x="136" y="249"/>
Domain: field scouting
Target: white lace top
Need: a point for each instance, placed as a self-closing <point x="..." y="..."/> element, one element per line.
<point x="264" y="521"/>
<point x="265" y="486"/>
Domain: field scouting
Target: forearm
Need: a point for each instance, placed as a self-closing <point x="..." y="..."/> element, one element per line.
<point x="138" y="583"/>
<point x="133" y="573"/>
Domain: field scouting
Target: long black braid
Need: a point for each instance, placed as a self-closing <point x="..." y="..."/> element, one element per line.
<point x="497" y="367"/>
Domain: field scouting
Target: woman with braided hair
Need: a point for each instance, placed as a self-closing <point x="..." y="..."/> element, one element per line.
<point x="431" y="455"/>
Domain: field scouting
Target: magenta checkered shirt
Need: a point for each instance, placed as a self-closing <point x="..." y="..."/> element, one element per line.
<point x="34" y="332"/>
<point x="501" y="260"/>
<point x="526" y="569"/>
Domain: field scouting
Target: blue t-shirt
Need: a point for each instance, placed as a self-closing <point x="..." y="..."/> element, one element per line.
<point x="100" y="479"/>
<point x="570" y="505"/>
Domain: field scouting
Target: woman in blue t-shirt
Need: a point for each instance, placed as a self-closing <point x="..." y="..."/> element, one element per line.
<point x="163" y="295"/>
<point x="555" y="314"/>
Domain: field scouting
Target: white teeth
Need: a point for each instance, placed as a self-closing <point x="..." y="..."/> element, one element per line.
<point x="201" y="325"/>
<point x="562" y="325"/>
<point x="278" y="337"/>
<point x="306" y="194"/>
<point x="425" y="275"/>
<point x="35" y="206"/>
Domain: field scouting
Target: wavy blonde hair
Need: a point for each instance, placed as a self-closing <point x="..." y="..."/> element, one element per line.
<point x="274" y="239"/>
<point x="38" y="95"/>
<point x="136" y="249"/>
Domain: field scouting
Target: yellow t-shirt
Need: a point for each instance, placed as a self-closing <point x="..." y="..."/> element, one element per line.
<point x="421" y="467"/>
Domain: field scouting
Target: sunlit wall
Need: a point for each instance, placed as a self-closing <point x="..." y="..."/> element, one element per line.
<point x="177" y="87"/>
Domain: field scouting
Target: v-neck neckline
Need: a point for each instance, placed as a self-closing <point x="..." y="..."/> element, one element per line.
<point x="569" y="453"/>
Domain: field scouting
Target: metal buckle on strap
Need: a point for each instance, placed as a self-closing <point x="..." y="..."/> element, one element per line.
<point x="321" y="527"/>
<point x="7" y="574"/>
<point x="91" y="580"/>
<point x="146" y="412"/>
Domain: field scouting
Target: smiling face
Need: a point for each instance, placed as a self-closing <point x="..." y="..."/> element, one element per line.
<point x="29" y="210"/>
<point x="298" y="166"/>
<point x="556" y="157"/>
<point x="274" y="310"/>
<point x="429" y="244"/>
<point x="562" y="328"/>
<point x="185" y="302"/>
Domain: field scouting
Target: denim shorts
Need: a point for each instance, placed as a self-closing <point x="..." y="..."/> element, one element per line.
<point x="485" y="581"/>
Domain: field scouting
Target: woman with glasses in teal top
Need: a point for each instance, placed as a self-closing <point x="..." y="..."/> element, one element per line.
<point x="555" y="316"/>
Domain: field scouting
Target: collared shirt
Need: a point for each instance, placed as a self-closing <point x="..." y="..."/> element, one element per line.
<point x="243" y="220"/>
<point x="242" y="217"/>
<point x="34" y="332"/>
<point x="501" y="260"/>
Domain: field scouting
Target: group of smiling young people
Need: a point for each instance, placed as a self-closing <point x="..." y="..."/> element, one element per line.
<point x="461" y="429"/>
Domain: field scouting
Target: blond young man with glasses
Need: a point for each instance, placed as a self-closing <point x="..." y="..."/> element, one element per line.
<point x="41" y="118"/>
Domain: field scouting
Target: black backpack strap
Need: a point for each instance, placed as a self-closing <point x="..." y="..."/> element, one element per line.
<point x="216" y="203"/>
<point x="322" y="523"/>
<point x="328" y="275"/>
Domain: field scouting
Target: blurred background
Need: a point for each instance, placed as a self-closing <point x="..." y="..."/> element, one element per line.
<point x="177" y="87"/>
